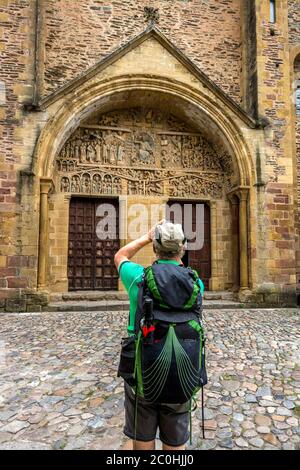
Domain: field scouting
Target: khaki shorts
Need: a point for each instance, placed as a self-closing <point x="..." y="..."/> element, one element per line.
<point x="171" y="420"/>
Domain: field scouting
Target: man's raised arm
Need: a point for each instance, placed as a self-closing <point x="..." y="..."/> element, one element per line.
<point x="127" y="252"/>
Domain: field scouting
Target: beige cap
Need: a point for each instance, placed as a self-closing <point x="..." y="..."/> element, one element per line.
<point x="170" y="236"/>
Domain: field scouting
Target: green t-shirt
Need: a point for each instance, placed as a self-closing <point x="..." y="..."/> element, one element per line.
<point x="131" y="274"/>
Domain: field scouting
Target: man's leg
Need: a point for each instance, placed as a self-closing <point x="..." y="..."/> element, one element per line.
<point x="174" y="426"/>
<point x="139" y="445"/>
<point x="143" y="427"/>
<point x="165" y="447"/>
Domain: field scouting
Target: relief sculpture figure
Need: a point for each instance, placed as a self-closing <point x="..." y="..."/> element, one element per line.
<point x="65" y="185"/>
<point x="90" y="157"/>
<point x="82" y="153"/>
<point x="145" y="148"/>
<point x="75" y="184"/>
<point x="97" y="184"/>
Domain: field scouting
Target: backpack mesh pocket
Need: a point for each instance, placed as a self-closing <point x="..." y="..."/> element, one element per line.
<point x="127" y="360"/>
<point x="170" y="368"/>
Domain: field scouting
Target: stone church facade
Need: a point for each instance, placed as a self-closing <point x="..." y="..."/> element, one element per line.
<point x="115" y="102"/>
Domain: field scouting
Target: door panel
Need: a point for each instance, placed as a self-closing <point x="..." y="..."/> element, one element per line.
<point x="91" y="260"/>
<point x="200" y="260"/>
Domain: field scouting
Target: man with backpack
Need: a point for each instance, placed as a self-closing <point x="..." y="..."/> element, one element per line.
<point x="163" y="358"/>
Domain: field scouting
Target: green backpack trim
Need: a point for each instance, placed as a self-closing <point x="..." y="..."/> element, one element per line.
<point x="138" y="365"/>
<point x="200" y="330"/>
<point x="151" y="282"/>
<point x="193" y="298"/>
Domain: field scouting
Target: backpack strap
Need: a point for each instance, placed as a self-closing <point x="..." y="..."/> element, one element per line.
<point x="197" y="290"/>
<point x="153" y="288"/>
<point x="136" y="320"/>
<point x="191" y="302"/>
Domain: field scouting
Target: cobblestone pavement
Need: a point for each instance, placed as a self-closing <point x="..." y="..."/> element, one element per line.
<point x="58" y="385"/>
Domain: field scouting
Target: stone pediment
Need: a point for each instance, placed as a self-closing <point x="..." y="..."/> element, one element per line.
<point x="151" y="54"/>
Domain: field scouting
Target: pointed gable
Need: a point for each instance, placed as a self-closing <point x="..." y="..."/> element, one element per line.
<point x="150" y="54"/>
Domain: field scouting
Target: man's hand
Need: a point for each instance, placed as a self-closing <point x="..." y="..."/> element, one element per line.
<point x="127" y="252"/>
<point x="151" y="233"/>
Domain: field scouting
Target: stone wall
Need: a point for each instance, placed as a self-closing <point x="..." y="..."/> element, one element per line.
<point x="298" y="156"/>
<point x="17" y="21"/>
<point x="294" y="21"/>
<point x="294" y="40"/>
<point x="16" y="47"/>
<point x="250" y="98"/>
<point x="208" y="32"/>
<point x="274" y="103"/>
<point x="297" y="78"/>
<point x="298" y="198"/>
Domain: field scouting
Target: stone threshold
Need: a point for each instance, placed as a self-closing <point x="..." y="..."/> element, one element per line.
<point x="98" y="296"/>
<point x="119" y="305"/>
<point x="102" y="301"/>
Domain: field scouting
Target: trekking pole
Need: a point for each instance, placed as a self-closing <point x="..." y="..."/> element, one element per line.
<point x="203" y="427"/>
<point x="148" y="327"/>
<point x="148" y="312"/>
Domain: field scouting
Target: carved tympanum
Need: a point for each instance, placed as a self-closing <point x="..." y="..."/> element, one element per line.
<point x="142" y="152"/>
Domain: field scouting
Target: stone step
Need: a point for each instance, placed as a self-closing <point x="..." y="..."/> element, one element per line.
<point x="222" y="295"/>
<point x="89" y="296"/>
<point x="105" y="296"/>
<point x="123" y="305"/>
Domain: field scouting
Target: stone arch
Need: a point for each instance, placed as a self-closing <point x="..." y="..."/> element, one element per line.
<point x="79" y="105"/>
<point x="296" y="71"/>
<point x="294" y="53"/>
<point x="194" y="105"/>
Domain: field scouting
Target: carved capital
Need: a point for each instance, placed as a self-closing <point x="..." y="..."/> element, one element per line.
<point x="213" y="206"/>
<point x="233" y="199"/>
<point x="46" y="184"/>
<point x="243" y="194"/>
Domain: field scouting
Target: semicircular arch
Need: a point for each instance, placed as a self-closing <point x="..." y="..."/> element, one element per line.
<point x="102" y="96"/>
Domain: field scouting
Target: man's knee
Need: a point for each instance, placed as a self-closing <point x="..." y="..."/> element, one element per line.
<point x="139" y="445"/>
<point x="169" y="448"/>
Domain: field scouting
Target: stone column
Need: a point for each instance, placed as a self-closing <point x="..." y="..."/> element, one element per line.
<point x="243" y="236"/>
<point x="234" y="202"/>
<point x="45" y="186"/>
<point x="213" y="282"/>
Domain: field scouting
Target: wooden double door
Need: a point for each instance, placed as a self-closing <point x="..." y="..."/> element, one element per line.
<point x="198" y="259"/>
<point x="91" y="256"/>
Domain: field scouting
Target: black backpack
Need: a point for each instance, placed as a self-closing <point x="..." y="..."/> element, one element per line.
<point x="165" y="359"/>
